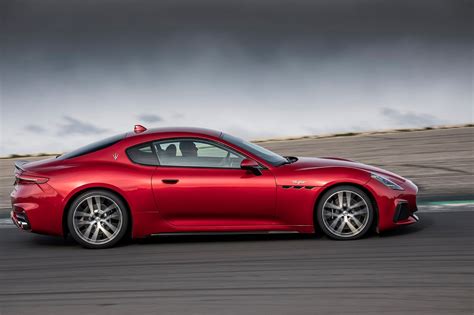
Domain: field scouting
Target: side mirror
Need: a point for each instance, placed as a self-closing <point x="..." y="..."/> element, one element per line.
<point x="251" y="165"/>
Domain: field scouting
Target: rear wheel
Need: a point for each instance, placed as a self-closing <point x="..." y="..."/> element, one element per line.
<point x="97" y="219"/>
<point x="345" y="213"/>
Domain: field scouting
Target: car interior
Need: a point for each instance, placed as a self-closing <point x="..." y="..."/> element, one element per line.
<point x="195" y="153"/>
<point x="185" y="153"/>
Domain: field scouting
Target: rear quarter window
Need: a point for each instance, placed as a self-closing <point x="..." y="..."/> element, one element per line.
<point x="142" y="154"/>
<point x="93" y="147"/>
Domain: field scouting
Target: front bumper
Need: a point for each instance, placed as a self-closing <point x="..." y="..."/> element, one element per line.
<point x="404" y="213"/>
<point x="395" y="208"/>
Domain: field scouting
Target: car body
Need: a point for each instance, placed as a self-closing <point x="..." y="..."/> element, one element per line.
<point x="230" y="185"/>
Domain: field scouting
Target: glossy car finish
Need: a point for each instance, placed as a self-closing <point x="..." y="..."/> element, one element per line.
<point x="170" y="199"/>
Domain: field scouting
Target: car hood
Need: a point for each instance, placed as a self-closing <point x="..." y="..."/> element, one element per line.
<point x="306" y="164"/>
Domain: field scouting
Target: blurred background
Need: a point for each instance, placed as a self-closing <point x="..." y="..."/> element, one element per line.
<point x="76" y="71"/>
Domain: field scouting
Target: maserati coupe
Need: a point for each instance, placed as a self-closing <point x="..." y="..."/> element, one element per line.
<point x="191" y="180"/>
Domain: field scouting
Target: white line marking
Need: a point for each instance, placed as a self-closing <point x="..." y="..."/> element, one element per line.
<point x="446" y="208"/>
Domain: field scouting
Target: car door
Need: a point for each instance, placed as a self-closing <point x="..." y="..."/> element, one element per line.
<point x="200" y="183"/>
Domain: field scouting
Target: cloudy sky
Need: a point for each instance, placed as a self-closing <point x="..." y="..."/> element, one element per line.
<point x="76" y="71"/>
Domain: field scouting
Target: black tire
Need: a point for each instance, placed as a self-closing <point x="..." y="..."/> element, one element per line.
<point x="345" y="217"/>
<point x="117" y="217"/>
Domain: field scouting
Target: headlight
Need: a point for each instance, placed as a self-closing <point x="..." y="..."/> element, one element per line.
<point x="387" y="182"/>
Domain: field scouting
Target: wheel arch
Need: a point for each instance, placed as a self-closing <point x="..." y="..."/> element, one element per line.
<point x="90" y="188"/>
<point x="375" y="223"/>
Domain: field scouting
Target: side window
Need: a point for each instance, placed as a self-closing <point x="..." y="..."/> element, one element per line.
<point x="196" y="153"/>
<point x="142" y="154"/>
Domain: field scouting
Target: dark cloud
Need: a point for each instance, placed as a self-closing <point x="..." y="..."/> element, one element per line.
<point x="112" y="30"/>
<point x="35" y="128"/>
<point x="76" y="126"/>
<point x="410" y="118"/>
<point x="149" y="118"/>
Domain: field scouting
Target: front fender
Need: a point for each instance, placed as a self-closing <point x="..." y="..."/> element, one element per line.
<point x="298" y="191"/>
<point x="323" y="176"/>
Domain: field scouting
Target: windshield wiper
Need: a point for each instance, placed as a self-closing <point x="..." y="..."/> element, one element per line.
<point x="289" y="160"/>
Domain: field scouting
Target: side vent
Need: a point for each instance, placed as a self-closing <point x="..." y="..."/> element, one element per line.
<point x="297" y="187"/>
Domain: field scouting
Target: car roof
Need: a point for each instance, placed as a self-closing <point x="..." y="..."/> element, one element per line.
<point x="191" y="130"/>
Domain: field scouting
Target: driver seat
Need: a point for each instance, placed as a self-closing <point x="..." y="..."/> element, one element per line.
<point x="170" y="151"/>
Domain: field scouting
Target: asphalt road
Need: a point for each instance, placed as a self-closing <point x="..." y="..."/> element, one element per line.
<point x="425" y="268"/>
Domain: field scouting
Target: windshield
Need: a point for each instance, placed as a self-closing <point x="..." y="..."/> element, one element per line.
<point x="96" y="146"/>
<point x="257" y="150"/>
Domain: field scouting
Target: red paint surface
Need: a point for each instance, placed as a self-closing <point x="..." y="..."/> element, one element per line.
<point x="201" y="199"/>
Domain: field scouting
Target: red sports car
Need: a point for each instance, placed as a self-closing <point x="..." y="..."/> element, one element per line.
<point x="189" y="180"/>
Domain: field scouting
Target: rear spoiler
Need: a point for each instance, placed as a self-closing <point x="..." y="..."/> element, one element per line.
<point x="19" y="165"/>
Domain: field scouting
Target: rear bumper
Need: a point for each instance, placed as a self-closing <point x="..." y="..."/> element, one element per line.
<point x="35" y="208"/>
<point x="20" y="219"/>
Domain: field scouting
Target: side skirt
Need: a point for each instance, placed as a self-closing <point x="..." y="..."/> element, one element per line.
<point x="224" y="233"/>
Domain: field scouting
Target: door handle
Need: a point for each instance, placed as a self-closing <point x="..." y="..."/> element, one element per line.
<point x="170" y="181"/>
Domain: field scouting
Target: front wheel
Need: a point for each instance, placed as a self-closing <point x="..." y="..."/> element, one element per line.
<point x="97" y="219"/>
<point x="345" y="213"/>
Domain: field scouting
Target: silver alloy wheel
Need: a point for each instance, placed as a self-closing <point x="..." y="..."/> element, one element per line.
<point x="97" y="219"/>
<point x="345" y="213"/>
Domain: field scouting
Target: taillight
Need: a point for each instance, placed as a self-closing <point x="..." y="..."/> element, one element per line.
<point x="30" y="179"/>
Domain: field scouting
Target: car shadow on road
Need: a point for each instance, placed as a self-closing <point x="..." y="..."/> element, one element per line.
<point x="424" y="223"/>
<point x="170" y="239"/>
<point x="53" y="241"/>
